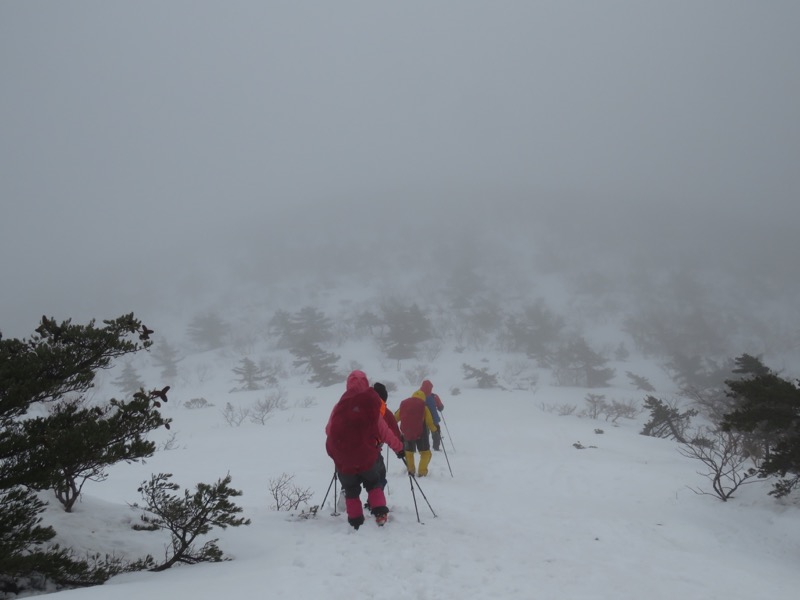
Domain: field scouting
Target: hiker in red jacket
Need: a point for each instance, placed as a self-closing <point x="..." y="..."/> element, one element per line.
<point x="355" y="434"/>
<point x="415" y="421"/>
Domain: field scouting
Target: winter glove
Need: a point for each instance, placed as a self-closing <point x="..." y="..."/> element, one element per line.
<point x="401" y="454"/>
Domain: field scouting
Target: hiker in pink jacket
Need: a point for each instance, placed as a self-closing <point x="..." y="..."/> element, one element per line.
<point x="355" y="432"/>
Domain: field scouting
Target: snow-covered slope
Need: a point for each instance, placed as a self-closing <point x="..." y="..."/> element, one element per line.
<point x="524" y="515"/>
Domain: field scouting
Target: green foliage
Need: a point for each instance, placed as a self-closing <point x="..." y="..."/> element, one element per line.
<point x="306" y="327"/>
<point x="319" y="363"/>
<point x="576" y="364"/>
<point x="50" y="373"/>
<point x="302" y="333"/>
<point x="21" y="535"/>
<point x="767" y="408"/>
<point x="128" y="381"/>
<point x="189" y="517"/>
<point x="680" y="319"/>
<point x="28" y="566"/>
<point x="367" y="321"/>
<point x="484" y="379"/>
<point x="167" y="358"/>
<point x="667" y="421"/>
<point x="208" y="331"/>
<point x="536" y="332"/>
<point x="251" y="376"/>
<point x="407" y="327"/>
<point x="696" y="375"/>
<point x="478" y="324"/>
<point x="75" y="443"/>
<point x="641" y="383"/>
<point x="747" y="365"/>
<point x="60" y="359"/>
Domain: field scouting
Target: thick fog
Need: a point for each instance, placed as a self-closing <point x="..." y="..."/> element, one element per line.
<point x="148" y="147"/>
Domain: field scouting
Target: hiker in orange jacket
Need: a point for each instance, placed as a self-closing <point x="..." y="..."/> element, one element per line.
<point x="391" y="422"/>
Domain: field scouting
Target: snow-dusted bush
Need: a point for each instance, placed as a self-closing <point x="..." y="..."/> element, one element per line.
<point x="189" y="517"/>
<point x="265" y="408"/>
<point x="195" y="403"/>
<point x="724" y="456"/>
<point x="286" y="495"/>
<point x="483" y="378"/>
<point x="234" y="415"/>
<point x="520" y="374"/>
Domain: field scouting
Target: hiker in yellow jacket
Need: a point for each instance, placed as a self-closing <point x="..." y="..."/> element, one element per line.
<point x="415" y="420"/>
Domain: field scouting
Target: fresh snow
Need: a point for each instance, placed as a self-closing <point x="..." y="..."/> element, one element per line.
<point x="525" y="514"/>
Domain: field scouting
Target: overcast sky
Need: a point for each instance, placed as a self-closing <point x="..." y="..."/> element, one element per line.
<point x="174" y="128"/>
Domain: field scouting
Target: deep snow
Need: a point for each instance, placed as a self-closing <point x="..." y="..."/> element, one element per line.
<point x="524" y="515"/>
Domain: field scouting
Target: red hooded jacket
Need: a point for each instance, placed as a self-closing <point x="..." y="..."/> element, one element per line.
<point x="413" y="415"/>
<point x="350" y="449"/>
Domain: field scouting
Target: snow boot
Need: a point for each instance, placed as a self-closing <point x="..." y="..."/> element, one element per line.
<point x="356" y="522"/>
<point x="377" y="501"/>
<point x="355" y="515"/>
<point x="410" y="462"/>
<point x="424" y="459"/>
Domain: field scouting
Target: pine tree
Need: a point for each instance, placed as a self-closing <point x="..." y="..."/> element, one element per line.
<point x="58" y="363"/>
<point x="641" y="383"/>
<point x="367" y="321"/>
<point x="407" y="328"/>
<point x="251" y="376"/>
<point x="278" y="327"/>
<point x="189" y="517"/>
<point x="167" y="358"/>
<point x="667" y="421"/>
<point x="83" y="441"/>
<point x="749" y="365"/>
<point x="575" y="363"/>
<point x="482" y="377"/>
<point x="128" y="382"/>
<point x="767" y="408"/>
<point x="318" y="362"/>
<point x="208" y="331"/>
<point x="536" y="332"/>
<point x="309" y="326"/>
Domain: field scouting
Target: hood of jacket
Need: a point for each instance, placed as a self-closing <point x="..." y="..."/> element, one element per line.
<point x="427" y="387"/>
<point x="357" y="382"/>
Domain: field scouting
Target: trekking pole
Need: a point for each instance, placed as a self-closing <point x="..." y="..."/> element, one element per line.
<point x="441" y="414"/>
<point x="414" y="480"/>
<point x="413" y="495"/>
<point x="332" y="483"/>
<point x="447" y="459"/>
<point x="386" y="476"/>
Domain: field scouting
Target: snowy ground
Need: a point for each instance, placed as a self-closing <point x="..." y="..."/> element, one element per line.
<point x="524" y="515"/>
